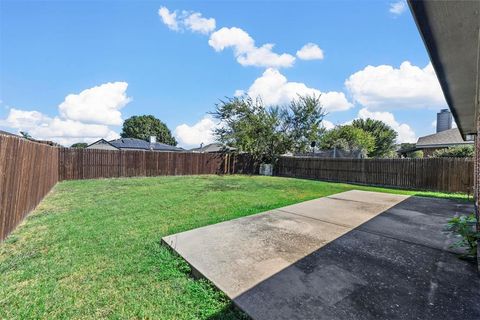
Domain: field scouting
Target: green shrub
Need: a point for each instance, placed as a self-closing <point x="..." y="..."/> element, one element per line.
<point x="416" y="154"/>
<point x="464" y="227"/>
<point x="455" y="152"/>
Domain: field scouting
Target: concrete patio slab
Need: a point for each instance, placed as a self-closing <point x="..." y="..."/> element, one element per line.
<point x="349" y="209"/>
<point x="238" y="254"/>
<point x="354" y="255"/>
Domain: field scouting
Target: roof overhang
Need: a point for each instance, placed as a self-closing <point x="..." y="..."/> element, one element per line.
<point x="451" y="33"/>
<point x="443" y="145"/>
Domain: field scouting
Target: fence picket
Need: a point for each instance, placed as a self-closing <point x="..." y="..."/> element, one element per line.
<point x="435" y="174"/>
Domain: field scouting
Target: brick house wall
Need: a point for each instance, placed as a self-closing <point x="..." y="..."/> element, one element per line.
<point x="476" y="180"/>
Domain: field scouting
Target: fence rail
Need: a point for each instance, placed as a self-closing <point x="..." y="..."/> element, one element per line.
<point x="434" y="174"/>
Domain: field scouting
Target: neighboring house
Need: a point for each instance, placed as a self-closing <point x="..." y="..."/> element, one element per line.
<point x="102" y="144"/>
<point x="445" y="137"/>
<point x="50" y="143"/>
<point x="5" y="133"/>
<point x="132" y="144"/>
<point x="213" y="148"/>
<point x="441" y="140"/>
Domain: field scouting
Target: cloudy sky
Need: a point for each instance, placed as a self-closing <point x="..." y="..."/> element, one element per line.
<point x="73" y="71"/>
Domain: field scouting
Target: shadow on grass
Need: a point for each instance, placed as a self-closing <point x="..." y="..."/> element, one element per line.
<point x="230" y="312"/>
<point x="178" y="263"/>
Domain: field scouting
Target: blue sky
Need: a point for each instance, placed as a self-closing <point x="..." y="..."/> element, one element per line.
<point x="71" y="71"/>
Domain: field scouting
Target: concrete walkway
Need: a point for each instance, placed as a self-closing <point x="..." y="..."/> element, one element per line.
<point x="353" y="255"/>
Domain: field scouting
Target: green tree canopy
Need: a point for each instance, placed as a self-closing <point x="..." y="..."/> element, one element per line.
<point x="251" y="127"/>
<point x="142" y="127"/>
<point x="348" y="138"/>
<point x="417" y="154"/>
<point x="268" y="131"/>
<point x="304" y="121"/>
<point x="383" y="134"/>
<point x="26" y="135"/>
<point x="79" y="145"/>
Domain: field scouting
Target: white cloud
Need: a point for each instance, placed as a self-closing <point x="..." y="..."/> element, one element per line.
<point x="405" y="132"/>
<point x="310" y="51"/>
<point x="83" y="117"/>
<point x="239" y="93"/>
<point x="265" y="57"/>
<point x="242" y="44"/>
<point x="386" y="87"/>
<point x="274" y="88"/>
<point x="100" y="104"/>
<point x="192" y="21"/>
<point x="328" y="124"/>
<point x="64" y="131"/>
<point x="231" y="37"/>
<point x="169" y="18"/>
<point x="398" y="7"/>
<point x="245" y="51"/>
<point x="197" y="23"/>
<point x="200" y="132"/>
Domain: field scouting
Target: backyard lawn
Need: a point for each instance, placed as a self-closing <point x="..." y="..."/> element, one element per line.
<point x="92" y="248"/>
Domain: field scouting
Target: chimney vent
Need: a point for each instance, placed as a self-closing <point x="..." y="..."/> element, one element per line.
<point x="444" y="120"/>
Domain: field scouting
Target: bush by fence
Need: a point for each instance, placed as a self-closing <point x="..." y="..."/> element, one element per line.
<point x="434" y="174"/>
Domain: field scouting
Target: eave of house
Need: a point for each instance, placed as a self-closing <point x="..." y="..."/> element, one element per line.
<point x="443" y="145"/>
<point x="451" y="33"/>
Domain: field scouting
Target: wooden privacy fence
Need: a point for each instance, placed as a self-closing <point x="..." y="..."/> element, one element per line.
<point x="435" y="174"/>
<point x="90" y="163"/>
<point x="28" y="170"/>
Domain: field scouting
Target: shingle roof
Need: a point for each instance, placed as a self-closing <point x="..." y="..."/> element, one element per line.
<point x="101" y="141"/>
<point x="445" y="138"/>
<point x="213" y="147"/>
<point x="132" y="143"/>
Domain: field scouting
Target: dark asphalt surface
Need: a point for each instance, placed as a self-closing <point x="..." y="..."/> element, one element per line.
<point x="396" y="266"/>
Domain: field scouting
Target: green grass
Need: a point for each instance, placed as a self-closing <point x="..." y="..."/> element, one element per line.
<point x="91" y="250"/>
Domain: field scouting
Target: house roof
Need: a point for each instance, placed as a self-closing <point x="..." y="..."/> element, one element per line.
<point x="445" y="138"/>
<point x="214" y="147"/>
<point x="132" y="143"/>
<point x="450" y="31"/>
<point x="102" y="141"/>
<point x="5" y="133"/>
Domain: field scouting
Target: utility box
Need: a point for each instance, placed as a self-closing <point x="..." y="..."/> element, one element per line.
<point x="266" y="169"/>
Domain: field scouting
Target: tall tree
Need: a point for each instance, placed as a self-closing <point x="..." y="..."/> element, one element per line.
<point x="26" y="135"/>
<point x="348" y="138"/>
<point x="268" y="131"/>
<point x="383" y="134"/>
<point x="142" y="127"/>
<point x="249" y="126"/>
<point x="304" y="120"/>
